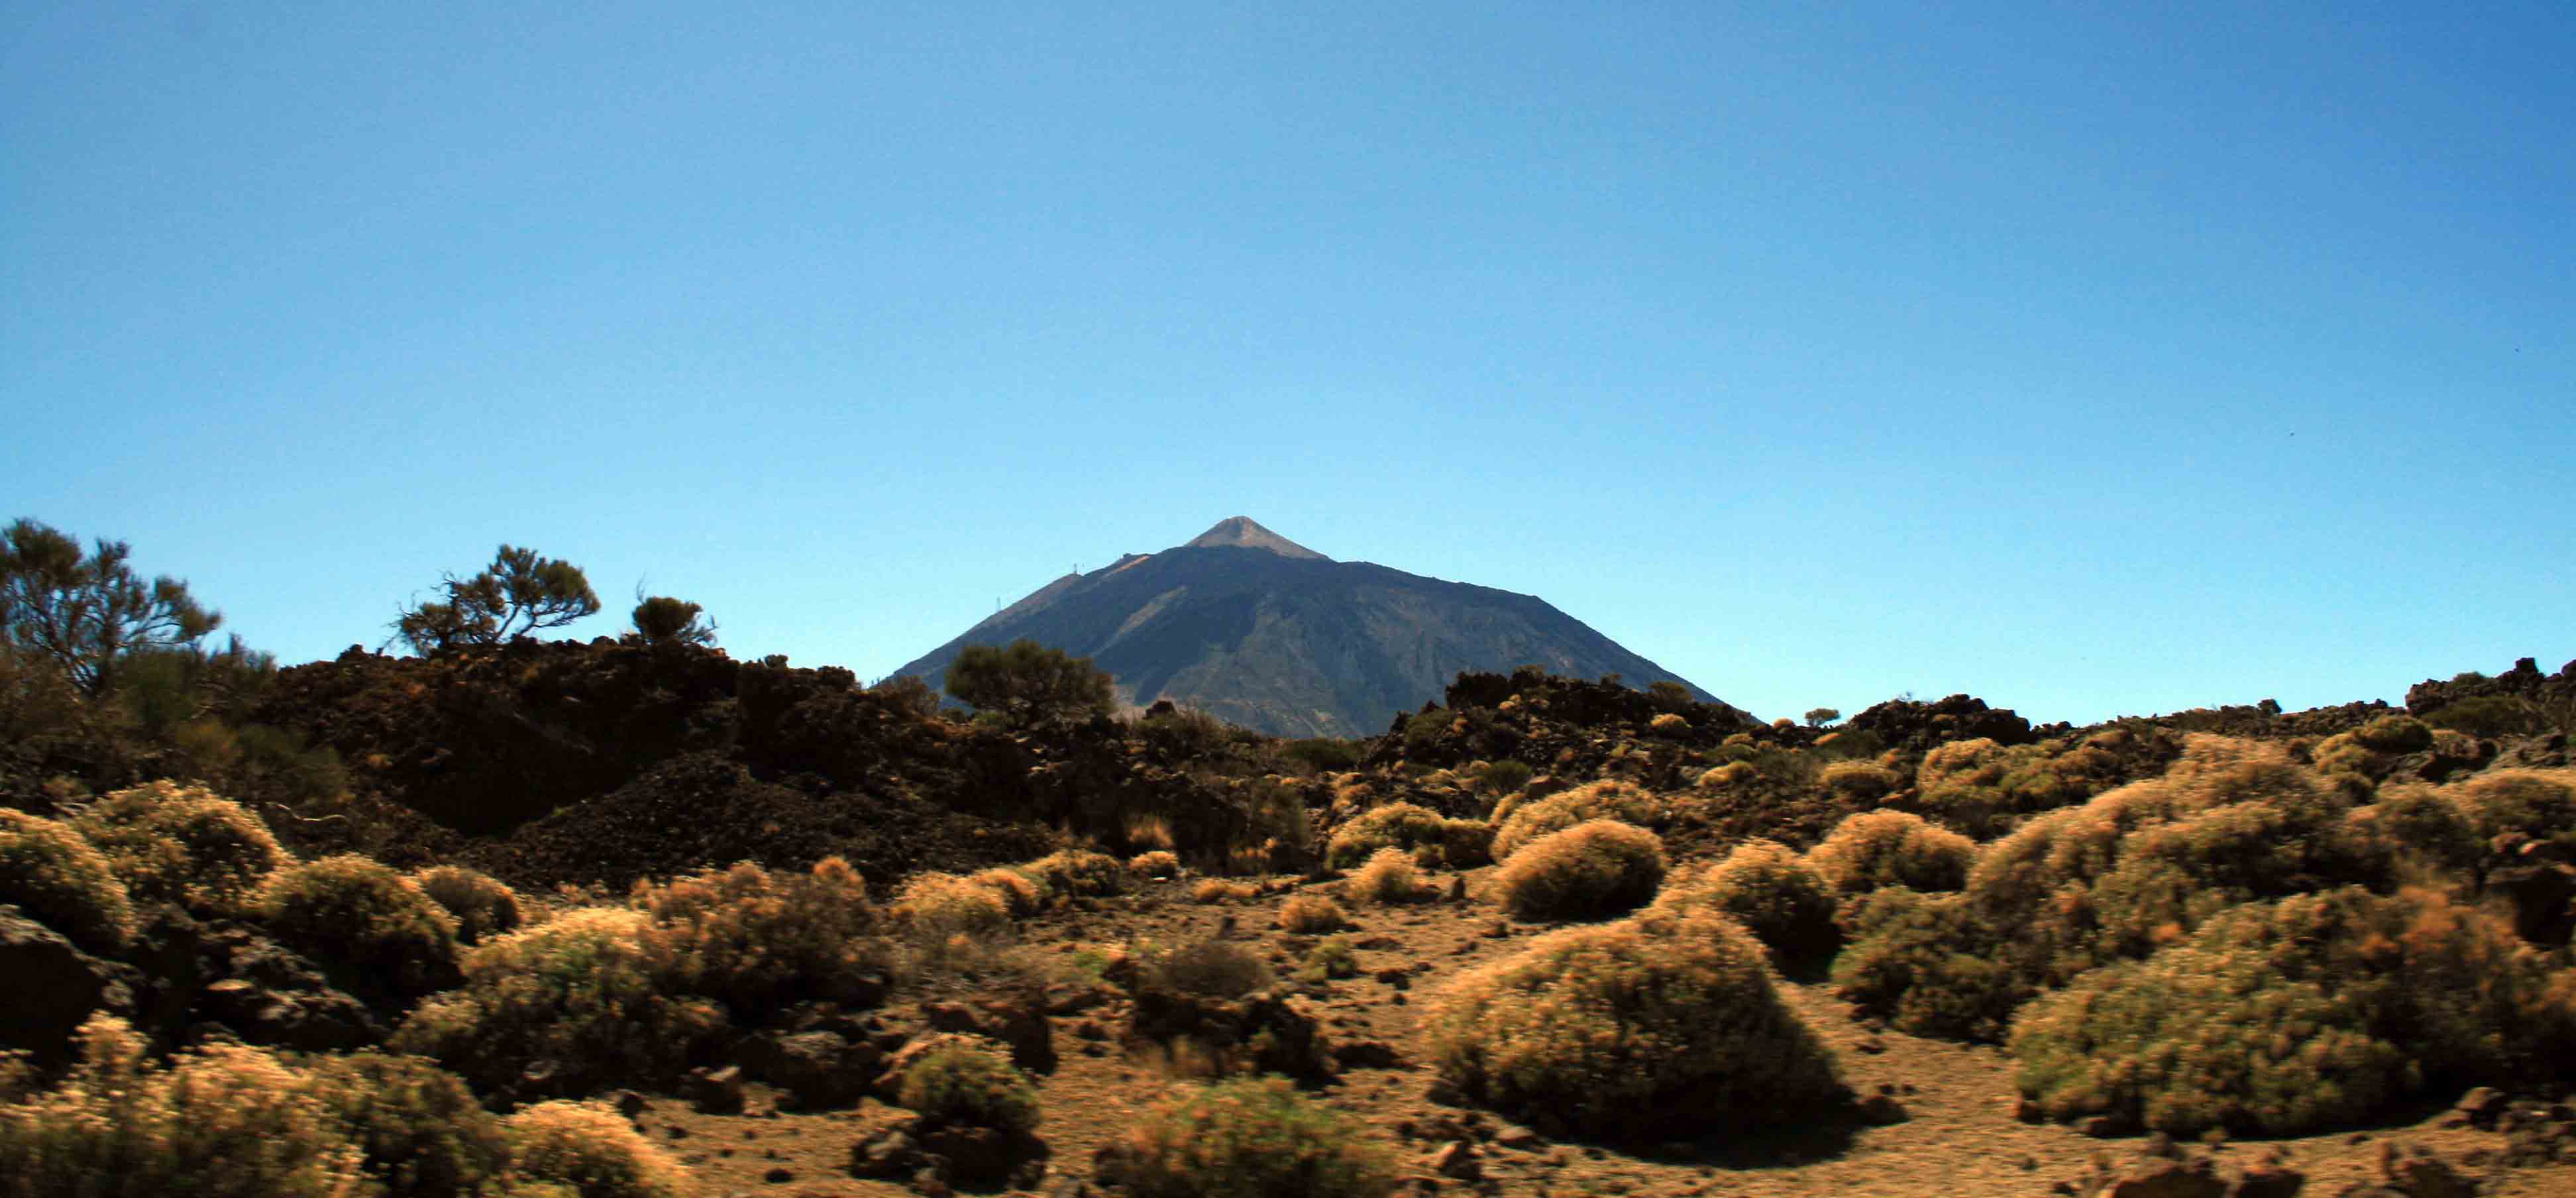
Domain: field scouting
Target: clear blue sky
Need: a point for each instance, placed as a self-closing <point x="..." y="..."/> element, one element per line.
<point x="2090" y="358"/>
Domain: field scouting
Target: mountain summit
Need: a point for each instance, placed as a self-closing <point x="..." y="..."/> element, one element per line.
<point x="1260" y="631"/>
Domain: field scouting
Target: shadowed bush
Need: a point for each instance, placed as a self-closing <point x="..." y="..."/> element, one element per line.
<point x="2430" y="824"/>
<point x="593" y="1151"/>
<point x="2300" y="1015"/>
<point x="181" y="844"/>
<point x="577" y="1000"/>
<point x="420" y="1130"/>
<point x="1892" y="848"/>
<point x="1206" y="969"/>
<point x="1407" y="826"/>
<point x="1923" y="963"/>
<point x="359" y="914"/>
<point x="1078" y="872"/>
<point x="62" y="881"/>
<point x="1598" y="867"/>
<point x="969" y="1081"/>
<point x="1777" y="896"/>
<point x="482" y="905"/>
<point x="1608" y="798"/>
<point x="1631" y="1028"/>
<point x="1250" y="1138"/>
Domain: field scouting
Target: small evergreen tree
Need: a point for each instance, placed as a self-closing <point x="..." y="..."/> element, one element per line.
<point x="1818" y="717"/>
<point x="517" y="594"/>
<point x="1029" y="683"/>
<point x="89" y="613"/>
<point x="663" y="620"/>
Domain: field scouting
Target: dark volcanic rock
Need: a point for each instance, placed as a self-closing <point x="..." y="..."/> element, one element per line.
<point x="51" y="987"/>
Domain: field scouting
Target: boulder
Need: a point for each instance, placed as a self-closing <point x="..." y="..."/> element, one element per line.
<point x="52" y="987"/>
<point x="1018" y="1020"/>
<point x="818" y="1068"/>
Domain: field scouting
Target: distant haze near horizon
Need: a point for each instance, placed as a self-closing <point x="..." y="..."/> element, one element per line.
<point x="2090" y="362"/>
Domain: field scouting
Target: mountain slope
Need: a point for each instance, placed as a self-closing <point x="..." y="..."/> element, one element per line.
<point x="1257" y="630"/>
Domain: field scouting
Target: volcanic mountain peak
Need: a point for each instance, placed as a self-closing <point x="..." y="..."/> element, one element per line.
<point x="1244" y="532"/>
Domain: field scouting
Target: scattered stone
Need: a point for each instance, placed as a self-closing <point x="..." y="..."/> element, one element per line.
<point x="1872" y="1045"/>
<point x="1019" y="1021"/>
<point x="1367" y="1054"/>
<point x="2269" y="1179"/>
<point x="631" y="1104"/>
<point x="1520" y="1138"/>
<point x="2420" y="1174"/>
<point x="2103" y="1127"/>
<point x="1443" y="1092"/>
<point x="714" y="1091"/>
<point x="889" y="1151"/>
<point x="52" y="986"/>
<point x="817" y="1069"/>
<point x="2482" y="1106"/>
<point x="2165" y="1177"/>
<point x="778" y="1176"/>
<point x="1883" y="1110"/>
<point x="1456" y="1159"/>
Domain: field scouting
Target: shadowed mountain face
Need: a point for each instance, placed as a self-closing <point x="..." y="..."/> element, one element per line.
<point x="1260" y="631"/>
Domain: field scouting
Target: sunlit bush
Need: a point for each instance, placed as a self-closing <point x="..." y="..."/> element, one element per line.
<point x="62" y="881"/>
<point x="937" y="906"/>
<point x="1598" y="867"/>
<point x="1389" y="877"/>
<point x="1631" y="1028"/>
<point x="421" y="1132"/>
<point x="1078" y="872"/>
<point x="1892" y="848"/>
<point x="2540" y="804"/>
<point x="1312" y="914"/>
<point x="360" y="914"/>
<point x="1859" y="779"/>
<point x="1608" y="798"/>
<point x="1160" y="863"/>
<point x="483" y="905"/>
<point x="181" y="844"/>
<point x="592" y="1150"/>
<point x="1406" y="826"/>
<point x="1768" y="888"/>
<point x="758" y="939"/>
<point x="1247" y="1139"/>
<point x="969" y="1081"/>
<point x="1924" y="964"/>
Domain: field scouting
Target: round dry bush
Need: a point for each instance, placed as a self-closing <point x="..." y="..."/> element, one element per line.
<point x="222" y="1121"/>
<point x="1020" y="892"/>
<point x="63" y="882"/>
<point x="1924" y="964"/>
<point x="1595" y="868"/>
<point x="2299" y="1016"/>
<point x="1975" y="762"/>
<point x="483" y="905"/>
<point x="359" y="914"/>
<point x="2394" y="734"/>
<point x="1732" y="773"/>
<point x="181" y="844"/>
<point x="1206" y="969"/>
<point x="1774" y="893"/>
<point x="2540" y="804"/>
<point x="2173" y="876"/>
<point x="760" y="940"/>
<point x="938" y="906"/>
<point x="1892" y="848"/>
<point x="1312" y="915"/>
<point x="578" y="1001"/>
<point x="1632" y="1028"/>
<point x="422" y="1131"/>
<point x="1406" y="826"/>
<point x="1669" y="724"/>
<point x="1078" y="871"/>
<point x="1218" y="890"/>
<point x="2427" y="823"/>
<point x="969" y="1081"/>
<point x="1859" y="779"/>
<point x="1160" y="863"/>
<point x="1609" y="798"/>
<point x="1248" y="1138"/>
<point x="1388" y="878"/>
<point x="592" y="1150"/>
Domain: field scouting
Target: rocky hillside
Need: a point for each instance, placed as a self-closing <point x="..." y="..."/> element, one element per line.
<point x="1261" y="632"/>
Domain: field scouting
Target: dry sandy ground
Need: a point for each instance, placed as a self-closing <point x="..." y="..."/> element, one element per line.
<point x="1959" y="1137"/>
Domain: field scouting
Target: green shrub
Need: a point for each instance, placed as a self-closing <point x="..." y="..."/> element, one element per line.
<point x="2172" y="876"/>
<point x="593" y="1151"/>
<point x="223" y="1121"/>
<point x="2540" y="804"/>
<point x="1389" y="878"/>
<point x="1631" y="1028"/>
<point x="759" y="940"/>
<point x="1078" y="871"/>
<point x="2296" y="1016"/>
<point x="1892" y="848"/>
<point x="483" y="905"/>
<point x="2428" y="823"/>
<point x="1608" y="798"/>
<point x="1503" y="777"/>
<point x="578" y="1001"/>
<point x="181" y="844"/>
<point x="361" y="915"/>
<point x="1924" y="964"/>
<point x="1423" y="731"/>
<point x="1321" y="755"/>
<point x="1312" y="914"/>
<point x="1332" y="957"/>
<point x="63" y="882"/>
<point x="1206" y="969"/>
<point x="969" y="1081"/>
<point x="1249" y="1138"/>
<point x="1598" y="867"/>
<point x="1406" y="826"/>
<point x="2490" y="716"/>
<point x="1765" y="886"/>
<point x="2394" y="734"/>
<point x="1861" y="780"/>
<point x="422" y="1132"/>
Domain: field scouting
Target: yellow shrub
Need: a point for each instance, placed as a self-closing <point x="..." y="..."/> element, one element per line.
<point x="1598" y="867"/>
<point x="2540" y="804"/>
<point x="1608" y="798"/>
<point x="1730" y="774"/>
<point x="1396" y="825"/>
<point x="1859" y="779"/>
<point x="181" y="844"/>
<point x="1631" y="1028"/>
<point x="62" y="881"/>
<point x="1078" y="871"/>
<point x="1768" y="888"/>
<point x="1892" y="848"/>
<point x="1388" y="878"/>
<point x="1218" y="890"/>
<point x="1960" y="762"/>
<point x="592" y="1150"/>
<point x="1019" y="892"/>
<point x="482" y="904"/>
<point x="1247" y="1139"/>
<point x="938" y="906"/>
<point x="358" y="913"/>
<point x="1160" y="863"/>
<point x="1669" y="724"/>
<point x="1311" y="914"/>
<point x="223" y="1121"/>
<point x="422" y="1132"/>
<point x="969" y="1081"/>
<point x="759" y="939"/>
